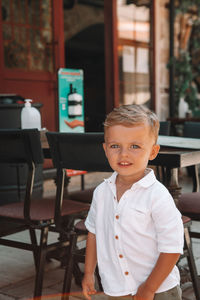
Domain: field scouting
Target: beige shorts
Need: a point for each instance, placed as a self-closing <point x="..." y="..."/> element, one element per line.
<point x="172" y="294"/>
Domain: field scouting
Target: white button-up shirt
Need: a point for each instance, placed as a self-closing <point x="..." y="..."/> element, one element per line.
<point x="131" y="233"/>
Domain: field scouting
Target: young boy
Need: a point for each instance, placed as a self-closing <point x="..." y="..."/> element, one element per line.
<point x="135" y="230"/>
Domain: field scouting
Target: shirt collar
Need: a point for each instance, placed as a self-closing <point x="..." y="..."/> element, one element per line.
<point x="111" y="180"/>
<point x="148" y="179"/>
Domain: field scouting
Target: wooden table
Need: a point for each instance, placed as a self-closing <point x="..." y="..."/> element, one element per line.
<point x="175" y="153"/>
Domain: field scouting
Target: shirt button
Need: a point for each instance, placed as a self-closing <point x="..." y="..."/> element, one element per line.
<point x="116" y="237"/>
<point x="117" y="217"/>
<point x="126" y="273"/>
<point x="121" y="256"/>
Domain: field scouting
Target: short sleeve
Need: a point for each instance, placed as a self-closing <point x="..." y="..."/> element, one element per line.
<point x="90" y="220"/>
<point x="168" y="224"/>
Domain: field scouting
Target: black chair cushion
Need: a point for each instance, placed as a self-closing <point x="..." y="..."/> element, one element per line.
<point x="42" y="209"/>
<point x="190" y="203"/>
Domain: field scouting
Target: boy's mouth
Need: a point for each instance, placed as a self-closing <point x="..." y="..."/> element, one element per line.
<point x="124" y="164"/>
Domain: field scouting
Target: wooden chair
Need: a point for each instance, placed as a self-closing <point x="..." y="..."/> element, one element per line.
<point x="190" y="258"/>
<point x="192" y="130"/>
<point x="189" y="203"/>
<point x="50" y="214"/>
<point x="85" y="195"/>
<point x="85" y="151"/>
<point x="78" y="151"/>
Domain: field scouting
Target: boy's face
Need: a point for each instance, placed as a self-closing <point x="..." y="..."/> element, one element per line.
<point x="128" y="150"/>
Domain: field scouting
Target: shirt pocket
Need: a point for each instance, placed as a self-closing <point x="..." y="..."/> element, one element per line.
<point x="138" y="212"/>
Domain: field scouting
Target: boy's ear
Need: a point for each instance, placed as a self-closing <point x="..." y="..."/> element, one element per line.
<point x="154" y="151"/>
<point x="104" y="147"/>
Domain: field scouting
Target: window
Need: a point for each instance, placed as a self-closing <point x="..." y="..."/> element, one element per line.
<point x="27" y="34"/>
<point x="133" y="27"/>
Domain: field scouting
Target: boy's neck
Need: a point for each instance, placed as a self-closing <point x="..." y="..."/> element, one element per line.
<point x="128" y="181"/>
<point x="123" y="182"/>
<point x="122" y="185"/>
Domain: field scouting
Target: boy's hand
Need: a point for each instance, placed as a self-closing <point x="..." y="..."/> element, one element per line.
<point x="88" y="286"/>
<point x="144" y="293"/>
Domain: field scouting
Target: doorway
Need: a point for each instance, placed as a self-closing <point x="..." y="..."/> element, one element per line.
<point x="84" y="49"/>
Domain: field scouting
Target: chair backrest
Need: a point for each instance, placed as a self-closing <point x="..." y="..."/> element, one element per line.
<point x="165" y="127"/>
<point x="191" y="129"/>
<point x="78" y="151"/>
<point x="20" y="146"/>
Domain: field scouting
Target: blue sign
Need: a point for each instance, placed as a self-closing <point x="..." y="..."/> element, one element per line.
<point x="71" y="100"/>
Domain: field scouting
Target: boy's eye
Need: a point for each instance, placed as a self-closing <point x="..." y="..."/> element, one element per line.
<point x="134" y="147"/>
<point x="114" y="146"/>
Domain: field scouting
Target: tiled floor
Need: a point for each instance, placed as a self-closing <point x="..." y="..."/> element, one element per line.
<point x="17" y="269"/>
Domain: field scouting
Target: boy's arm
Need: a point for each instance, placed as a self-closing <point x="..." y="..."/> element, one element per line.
<point x="90" y="264"/>
<point x="163" y="267"/>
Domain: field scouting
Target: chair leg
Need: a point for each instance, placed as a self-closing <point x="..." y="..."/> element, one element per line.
<point x="35" y="245"/>
<point x="70" y="264"/>
<point x="78" y="275"/>
<point x="41" y="255"/>
<point x="191" y="263"/>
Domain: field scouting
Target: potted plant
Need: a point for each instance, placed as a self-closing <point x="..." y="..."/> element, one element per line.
<point x="186" y="62"/>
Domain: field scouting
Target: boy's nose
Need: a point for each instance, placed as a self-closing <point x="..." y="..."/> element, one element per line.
<point x="124" y="152"/>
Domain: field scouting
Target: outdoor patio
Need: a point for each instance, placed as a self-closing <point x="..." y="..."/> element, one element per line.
<point x="17" y="267"/>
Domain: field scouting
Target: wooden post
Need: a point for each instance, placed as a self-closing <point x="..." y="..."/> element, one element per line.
<point x="111" y="55"/>
<point x="171" y="55"/>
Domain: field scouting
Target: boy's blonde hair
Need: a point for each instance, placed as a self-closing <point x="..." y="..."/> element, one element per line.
<point x="131" y="115"/>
